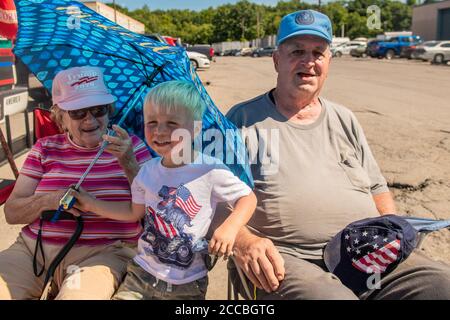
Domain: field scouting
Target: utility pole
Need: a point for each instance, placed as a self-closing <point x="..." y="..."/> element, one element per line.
<point x="115" y="15"/>
<point x="257" y="24"/>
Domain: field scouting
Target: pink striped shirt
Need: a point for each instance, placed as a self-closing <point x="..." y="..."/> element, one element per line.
<point x="57" y="163"/>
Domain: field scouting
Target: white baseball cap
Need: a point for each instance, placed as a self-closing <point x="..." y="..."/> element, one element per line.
<point x="79" y="88"/>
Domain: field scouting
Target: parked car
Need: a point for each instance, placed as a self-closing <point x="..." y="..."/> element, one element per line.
<point x="230" y="52"/>
<point x="393" y="46"/>
<point x="337" y="41"/>
<point x="437" y="52"/>
<point x="245" y="52"/>
<point x="413" y="52"/>
<point x="263" y="52"/>
<point x="156" y="37"/>
<point x="345" y="48"/>
<point x="360" y="51"/>
<point x="198" y="60"/>
<point x="372" y="48"/>
<point x="205" y="49"/>
<point x="175" y="42"/>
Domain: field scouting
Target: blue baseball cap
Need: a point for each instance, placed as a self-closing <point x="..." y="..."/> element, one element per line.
<point x="369" y="246"/>
<point x="305" y="22"/>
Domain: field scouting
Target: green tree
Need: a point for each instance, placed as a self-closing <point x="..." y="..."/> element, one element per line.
<point x="338" y="15"/>
<point x="246" y="20"/>
<point x="235" y="22"/>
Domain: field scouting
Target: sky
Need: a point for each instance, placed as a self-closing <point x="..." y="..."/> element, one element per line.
<point x="182" y="4"/>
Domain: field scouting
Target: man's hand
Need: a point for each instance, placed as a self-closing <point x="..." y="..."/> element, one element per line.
<point x="260" y="260"/>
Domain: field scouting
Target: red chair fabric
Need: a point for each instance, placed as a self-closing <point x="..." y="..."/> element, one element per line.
<point x="6" y="187"/>
<point x="43" y="124"/>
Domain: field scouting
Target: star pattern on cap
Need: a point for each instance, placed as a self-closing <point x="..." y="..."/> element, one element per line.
<point x="369" y="250"/>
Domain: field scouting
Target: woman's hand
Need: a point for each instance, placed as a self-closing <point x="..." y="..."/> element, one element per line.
<point x="25" y="206"/>
<point x="120" y="145"/>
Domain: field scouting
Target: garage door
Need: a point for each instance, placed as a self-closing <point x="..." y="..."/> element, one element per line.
<point x="444" y="24"/>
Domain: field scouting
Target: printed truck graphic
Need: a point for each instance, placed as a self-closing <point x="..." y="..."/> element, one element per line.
<point x="164" y="228"/>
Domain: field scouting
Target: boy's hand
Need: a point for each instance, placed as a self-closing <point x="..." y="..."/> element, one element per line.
<point x="54" y="201"/>
<point x="85" y="201"/>
<point x="222" y="241"/>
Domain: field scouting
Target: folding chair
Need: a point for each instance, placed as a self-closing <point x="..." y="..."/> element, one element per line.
<point x="422" y="225"/>
<point x="233" y="291"/>
<point x="43" y="126"/>
<point x="7" y="185"/>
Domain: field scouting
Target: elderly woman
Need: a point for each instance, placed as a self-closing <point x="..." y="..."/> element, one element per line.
<point x="96" y="264"/>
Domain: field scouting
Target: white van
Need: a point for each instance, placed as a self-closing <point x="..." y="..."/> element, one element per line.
<point x="345" y="48"/>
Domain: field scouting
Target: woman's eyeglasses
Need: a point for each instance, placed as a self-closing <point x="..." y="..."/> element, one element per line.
<point x="97" y="111"/>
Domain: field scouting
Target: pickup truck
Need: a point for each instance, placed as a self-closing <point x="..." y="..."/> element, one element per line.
<point x="205" y="49"/>
<point x="392" y="47"/>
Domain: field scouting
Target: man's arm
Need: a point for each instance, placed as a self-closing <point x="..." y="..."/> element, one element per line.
<point x="385" y="203"/>
<point x="259" y="259"/>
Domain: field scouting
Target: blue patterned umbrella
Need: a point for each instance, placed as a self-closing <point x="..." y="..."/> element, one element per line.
<point x="57" y="34"/>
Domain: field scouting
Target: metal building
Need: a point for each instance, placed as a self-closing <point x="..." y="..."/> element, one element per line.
<point x="116" y="16"/>
<point x="432" y="21"/>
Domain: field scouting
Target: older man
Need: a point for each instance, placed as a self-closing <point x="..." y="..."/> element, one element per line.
<point x="321" y="177"/>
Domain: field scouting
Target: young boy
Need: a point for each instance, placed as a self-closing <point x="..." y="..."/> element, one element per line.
<point x="177" y="201"/>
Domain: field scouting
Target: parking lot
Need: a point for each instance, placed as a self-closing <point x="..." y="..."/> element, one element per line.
<point x="404" y="108"/>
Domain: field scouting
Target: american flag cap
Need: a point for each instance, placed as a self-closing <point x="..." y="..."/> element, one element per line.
<point x="369" y="246"/>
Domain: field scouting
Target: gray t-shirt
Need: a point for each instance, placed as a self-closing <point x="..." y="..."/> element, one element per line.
<point x="316" y="180"/>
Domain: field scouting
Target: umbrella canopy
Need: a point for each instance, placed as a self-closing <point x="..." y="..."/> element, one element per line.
<point x="57" y="34"/>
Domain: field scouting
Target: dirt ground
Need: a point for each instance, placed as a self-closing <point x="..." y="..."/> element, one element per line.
<point x="404" y="108"/>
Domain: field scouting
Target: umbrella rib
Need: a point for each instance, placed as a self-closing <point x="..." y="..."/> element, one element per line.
<point x="144" y="71"/>
<point x="148" y="82"/>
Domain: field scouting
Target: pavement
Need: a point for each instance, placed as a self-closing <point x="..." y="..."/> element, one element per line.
<point x="403" y="107"/>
